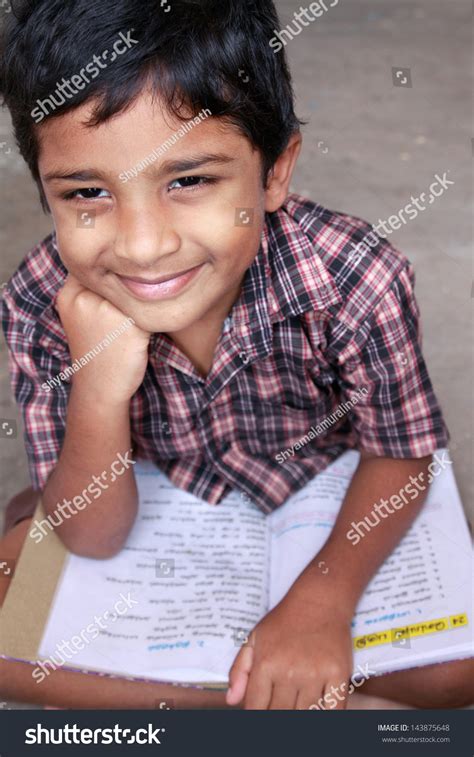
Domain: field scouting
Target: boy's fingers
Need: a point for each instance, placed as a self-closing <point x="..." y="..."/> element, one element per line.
<point x="259" y="690"/>
<point x="309" y="697"/>
<point x="70" y="288"/>
<point x="284" y="696"/>
<point x="239" y="675"/>
<point x="336" y="687"/>
<point x="70" y="283"/>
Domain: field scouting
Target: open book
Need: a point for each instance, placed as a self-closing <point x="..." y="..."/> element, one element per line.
<point x="194" y="579"/>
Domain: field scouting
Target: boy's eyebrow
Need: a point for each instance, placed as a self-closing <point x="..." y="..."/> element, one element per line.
<point x="190" y="164"/>
<point x="168" y="167"/>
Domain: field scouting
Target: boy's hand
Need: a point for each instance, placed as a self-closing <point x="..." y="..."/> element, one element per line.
<point x="116" y="372"/>
<point x="293" y="657"/>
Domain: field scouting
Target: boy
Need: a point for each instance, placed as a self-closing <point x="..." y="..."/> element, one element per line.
<point x="248" y="323"/>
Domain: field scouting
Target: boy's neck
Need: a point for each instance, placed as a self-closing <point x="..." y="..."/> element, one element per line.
<point x="199" y="340"/>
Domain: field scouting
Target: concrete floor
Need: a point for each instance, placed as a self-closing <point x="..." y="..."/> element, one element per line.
<point x="368" y="147"/>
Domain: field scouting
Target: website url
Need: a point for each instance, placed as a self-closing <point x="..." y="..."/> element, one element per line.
<point x="416" y="740"/>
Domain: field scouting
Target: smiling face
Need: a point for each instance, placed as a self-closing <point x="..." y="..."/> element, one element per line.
<point x="165" y="247"/>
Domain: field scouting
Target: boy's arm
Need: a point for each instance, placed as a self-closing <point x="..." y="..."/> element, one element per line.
<point x="392" y="491"/>
<point x="302" y="650"/>
<point x="97" y="505"/>
<point x="94" y="463"/>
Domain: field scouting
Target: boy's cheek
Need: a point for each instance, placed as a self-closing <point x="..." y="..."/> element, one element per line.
<point x="80" y="249"/>
<point x="233" y="227"/>
<point x="238" y="244"/>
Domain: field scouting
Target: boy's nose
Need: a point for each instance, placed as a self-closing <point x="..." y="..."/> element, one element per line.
<point x="145" y="236"/>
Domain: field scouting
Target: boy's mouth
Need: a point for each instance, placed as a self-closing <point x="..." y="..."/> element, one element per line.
<point x="163" y="286"/>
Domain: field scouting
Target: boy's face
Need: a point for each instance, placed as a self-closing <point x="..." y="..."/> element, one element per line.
<point x="121" y="239"/>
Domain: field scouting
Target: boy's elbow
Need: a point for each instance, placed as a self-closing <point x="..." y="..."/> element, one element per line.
<point x="95" y="551"/>
<point x="83" y="545"/>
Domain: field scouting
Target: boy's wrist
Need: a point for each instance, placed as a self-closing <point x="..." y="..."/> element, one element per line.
<point x="316" y="589"/>
<point x="101" y="403"/>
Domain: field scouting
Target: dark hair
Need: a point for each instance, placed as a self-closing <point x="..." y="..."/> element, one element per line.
<point x="196" y="54"/>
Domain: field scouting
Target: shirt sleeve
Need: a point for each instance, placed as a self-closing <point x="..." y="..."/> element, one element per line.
<point x="383" y="374"/>
<point x="42" y="407"/>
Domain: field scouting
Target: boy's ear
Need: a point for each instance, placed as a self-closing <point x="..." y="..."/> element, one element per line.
<point x="279" y="178"/>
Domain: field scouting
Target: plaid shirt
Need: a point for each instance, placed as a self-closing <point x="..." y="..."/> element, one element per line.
<point x="320" y="353"/>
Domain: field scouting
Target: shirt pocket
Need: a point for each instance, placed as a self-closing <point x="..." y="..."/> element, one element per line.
<point x="280" y="426"/>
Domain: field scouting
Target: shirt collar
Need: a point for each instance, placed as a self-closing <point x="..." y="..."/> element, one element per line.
<point x="287" y="277"/>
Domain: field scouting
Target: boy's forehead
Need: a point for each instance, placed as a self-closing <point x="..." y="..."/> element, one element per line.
<point x="130" y="136"/>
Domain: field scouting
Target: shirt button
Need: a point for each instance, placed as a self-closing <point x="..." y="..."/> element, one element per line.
<point x="244" y="357"/>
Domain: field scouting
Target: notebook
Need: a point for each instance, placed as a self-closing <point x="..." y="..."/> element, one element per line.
<point x="177" y="603"/>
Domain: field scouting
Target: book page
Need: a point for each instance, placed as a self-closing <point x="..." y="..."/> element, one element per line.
<point x="302" y="525"/>
<point x="191" y="581"/>
<point x="420" y="599"/>
<point x="418" y="609"/>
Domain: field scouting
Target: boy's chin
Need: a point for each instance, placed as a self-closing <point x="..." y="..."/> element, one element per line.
<point x="167" y="323"/>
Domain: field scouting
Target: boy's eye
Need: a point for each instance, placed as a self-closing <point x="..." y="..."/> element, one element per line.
<point x="90" y="193"/>
<point x="190" y="182"/>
